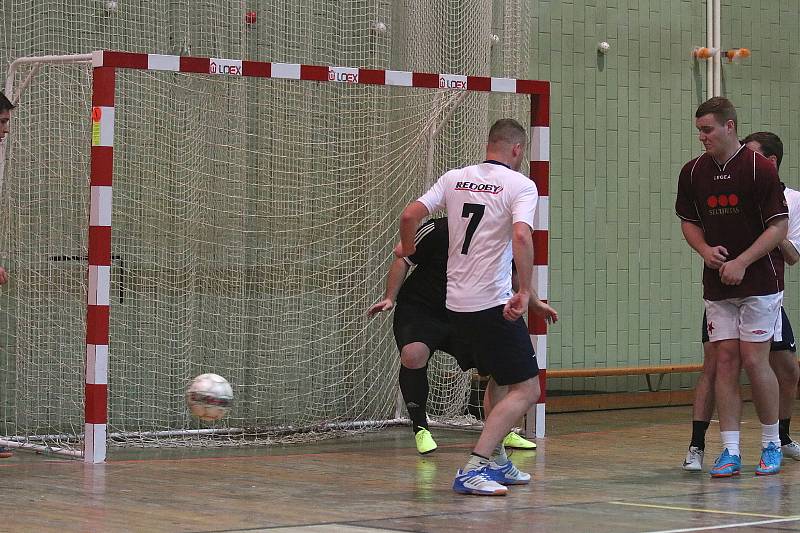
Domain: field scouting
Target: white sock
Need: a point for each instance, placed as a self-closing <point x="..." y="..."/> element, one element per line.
<point x="499" y="455"/>
<point x="730" y="440"/>
<point x="475" y="462"/>
<point x="769" y="433"/>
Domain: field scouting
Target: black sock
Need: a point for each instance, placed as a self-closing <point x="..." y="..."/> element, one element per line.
<point x="414" y="387"/>
<point x="783" y="430"/>
<point x="699" y="428"/>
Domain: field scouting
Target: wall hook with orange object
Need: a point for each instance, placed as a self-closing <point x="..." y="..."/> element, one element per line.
<point x="703" y="52"/>
<point x="736" y="55"/>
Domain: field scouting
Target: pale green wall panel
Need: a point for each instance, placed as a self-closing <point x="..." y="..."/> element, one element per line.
<point x="622" y="127"/>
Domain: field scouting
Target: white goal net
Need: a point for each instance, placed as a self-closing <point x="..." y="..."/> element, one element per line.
<point x="253" y="223"/>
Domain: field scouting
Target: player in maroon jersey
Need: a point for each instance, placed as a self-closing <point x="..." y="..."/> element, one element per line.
<point x="734" y="215"/>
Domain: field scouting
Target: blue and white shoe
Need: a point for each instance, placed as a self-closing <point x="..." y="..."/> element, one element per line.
<point x="771" y="458"/>
<point x="727" y="465"/>
<point x="478" y="482"/>
<point x="508" y="474"/>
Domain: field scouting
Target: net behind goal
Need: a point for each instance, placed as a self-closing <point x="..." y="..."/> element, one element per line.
<point x="253" y="222"/>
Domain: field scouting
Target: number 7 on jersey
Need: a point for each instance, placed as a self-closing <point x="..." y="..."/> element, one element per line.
<point x="476" y="212"/>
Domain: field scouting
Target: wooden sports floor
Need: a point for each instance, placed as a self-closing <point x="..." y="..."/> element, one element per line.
<point x="607" y="471"/>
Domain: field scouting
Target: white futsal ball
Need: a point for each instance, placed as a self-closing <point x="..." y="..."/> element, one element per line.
<point x="209" y="396"/>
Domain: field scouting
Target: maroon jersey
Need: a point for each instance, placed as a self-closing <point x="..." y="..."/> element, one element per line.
<point x="733" y="203"/>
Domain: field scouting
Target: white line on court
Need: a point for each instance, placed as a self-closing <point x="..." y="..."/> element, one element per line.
<point x="728" y="526"/>
<point x="695" y="510"/>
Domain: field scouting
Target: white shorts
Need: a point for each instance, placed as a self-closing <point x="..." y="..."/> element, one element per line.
<point x="751" y="319"/>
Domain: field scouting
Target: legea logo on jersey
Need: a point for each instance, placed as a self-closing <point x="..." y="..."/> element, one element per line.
<point x="229" y="67"/>
<point x="478" y="187"/>
<point x="723" y="204"/>
<point x="452" y="81"/>
<point x="343" y="74"/>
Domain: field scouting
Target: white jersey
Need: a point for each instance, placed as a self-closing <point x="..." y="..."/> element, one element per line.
<point x="483" y="202"/>
<point x="793" y="202"/>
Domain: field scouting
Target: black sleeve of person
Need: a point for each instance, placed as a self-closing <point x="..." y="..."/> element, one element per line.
<point x="430" y="240"/>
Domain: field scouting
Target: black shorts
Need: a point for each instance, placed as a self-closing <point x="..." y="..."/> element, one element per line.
<point x="500" y="348"/>
<point x="413" y="323"/>
<point x="787" y="335"/>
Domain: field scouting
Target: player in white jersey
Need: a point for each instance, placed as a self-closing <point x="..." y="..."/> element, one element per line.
<point x="490" y="209"/>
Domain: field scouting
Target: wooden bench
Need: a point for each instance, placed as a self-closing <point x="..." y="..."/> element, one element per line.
<point x="616" y="399"/>
<point x="646" y="371"/>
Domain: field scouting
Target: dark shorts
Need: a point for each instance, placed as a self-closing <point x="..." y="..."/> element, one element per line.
<point x="414" y="323"/>
<point x="786" y="343"/>
<point x="500" y="348"/>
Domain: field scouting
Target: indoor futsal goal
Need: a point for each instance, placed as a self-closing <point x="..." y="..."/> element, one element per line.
<point x="255" y="207"/>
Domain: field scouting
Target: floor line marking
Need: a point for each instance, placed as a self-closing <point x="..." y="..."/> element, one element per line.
<point x="727" y="526"/>
<point x="694" y="510"/>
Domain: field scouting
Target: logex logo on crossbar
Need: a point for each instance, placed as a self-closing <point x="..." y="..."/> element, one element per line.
<point x="226" y="67"/>
<point x="452" y="81"/>
<point x="343" y="74"/>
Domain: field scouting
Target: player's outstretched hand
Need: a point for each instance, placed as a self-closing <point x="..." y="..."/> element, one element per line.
<point x="3" y="276"/>
<point x="516" y="306"/>
<point x="539" y="308"/>
<point x="384" y="305"/>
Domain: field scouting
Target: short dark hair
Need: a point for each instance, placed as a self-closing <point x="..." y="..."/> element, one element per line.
<point x="770" y="144"/>
<point x="719" y="106"/>
<point x="507" y="130"/>
<point x="5" y="103"/>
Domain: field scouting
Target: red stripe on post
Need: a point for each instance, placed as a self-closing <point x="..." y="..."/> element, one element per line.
<point x="103" y="86"/>
<point x="102" y="166"/>
<point x="540" y="110"/>
<point x="540" y="247"/>
<point x="100" y="246"/>
<point x="313" y="73"/>
<point x="199" y="65"/>
<point x="95" y="410"/>
<point x="97" y="317"/>
<point x="533" y="87"/>
<point x="537" y="325"/>
<point x="542" y="385"/>
<point x="256" y="69"/>
<point x="125" y="60"/>
<point x="425" y="79"/>
<point x="479" y="83"/>
<point x="540" y="174"/>
<point x="371" y="77"/>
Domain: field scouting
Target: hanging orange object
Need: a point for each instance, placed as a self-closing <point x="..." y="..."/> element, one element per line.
<point x="703" y="52"/>
<point x="737" y="54"/>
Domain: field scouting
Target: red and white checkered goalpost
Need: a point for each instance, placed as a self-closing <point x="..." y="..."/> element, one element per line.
<point x="106" y="64"/>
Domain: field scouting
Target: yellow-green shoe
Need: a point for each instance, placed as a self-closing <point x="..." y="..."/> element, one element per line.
<point x="513" y="440"/>
<point x="425" y="442"/>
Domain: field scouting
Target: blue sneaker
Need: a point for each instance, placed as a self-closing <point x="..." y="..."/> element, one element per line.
<point x="770" y="463"/>
<point x="5" y="452"/>
<point x="727" y="465"/>
<point x="508" y="474"/>
<point x="478" y="482"/>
